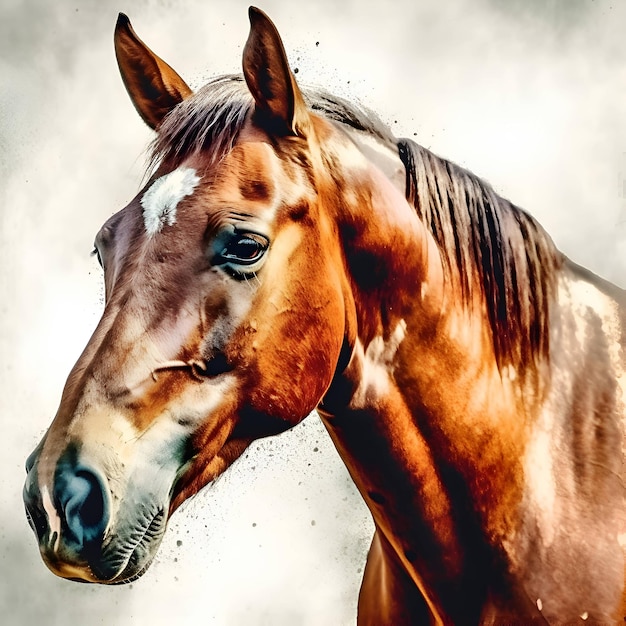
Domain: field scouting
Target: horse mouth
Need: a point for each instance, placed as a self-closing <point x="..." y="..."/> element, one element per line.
<point x="124" y="557"/>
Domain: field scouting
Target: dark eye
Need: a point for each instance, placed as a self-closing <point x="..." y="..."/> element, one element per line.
<point x="244" y="249"/>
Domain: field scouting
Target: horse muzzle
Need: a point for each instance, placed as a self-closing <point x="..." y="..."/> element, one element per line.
<point x="74" y="523"/>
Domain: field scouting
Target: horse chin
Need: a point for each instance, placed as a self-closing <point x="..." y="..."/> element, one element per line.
<point x="124" y="556"/>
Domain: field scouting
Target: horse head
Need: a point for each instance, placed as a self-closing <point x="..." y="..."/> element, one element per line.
<point x="228" y="310"/>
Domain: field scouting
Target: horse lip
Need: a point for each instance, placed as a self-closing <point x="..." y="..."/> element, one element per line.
<point x="79" y="572"/>
<point x="122" y="560"/>
<point x="115" y="562"/>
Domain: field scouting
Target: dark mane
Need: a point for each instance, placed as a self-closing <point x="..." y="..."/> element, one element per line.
<point x="487" y="243"/>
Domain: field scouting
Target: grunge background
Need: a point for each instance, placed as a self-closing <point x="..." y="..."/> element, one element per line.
<point x="530" y="94"/>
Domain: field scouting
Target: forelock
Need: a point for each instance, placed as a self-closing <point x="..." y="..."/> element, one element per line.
<point x="209" y="121"/>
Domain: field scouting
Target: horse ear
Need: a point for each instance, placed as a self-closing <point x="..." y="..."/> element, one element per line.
<point x="153" y="86"/>
<point x="279" y="102"/>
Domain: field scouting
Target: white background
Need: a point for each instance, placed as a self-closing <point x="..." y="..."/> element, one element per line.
<point x="528" y="94"/>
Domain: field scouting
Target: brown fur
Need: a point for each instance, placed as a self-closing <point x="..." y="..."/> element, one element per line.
<point x="452" y="352"/>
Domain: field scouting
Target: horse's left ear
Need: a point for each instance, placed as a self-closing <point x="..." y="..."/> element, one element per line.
<point x="153" y="86"/>
<point x="280" y="106"/>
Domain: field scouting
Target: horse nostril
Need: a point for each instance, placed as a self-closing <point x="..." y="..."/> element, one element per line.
<point x="83" y="501"/>
<point x="86" y="503"/>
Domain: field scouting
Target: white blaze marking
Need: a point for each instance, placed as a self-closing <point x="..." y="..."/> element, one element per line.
<point x="539" y="604"/>
<point x="160" y="201"/>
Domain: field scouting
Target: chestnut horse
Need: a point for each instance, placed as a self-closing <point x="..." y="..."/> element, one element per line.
<point x="289" y="254"/>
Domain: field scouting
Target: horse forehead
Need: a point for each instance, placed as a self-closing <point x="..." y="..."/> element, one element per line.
<point x="253" y="172"/>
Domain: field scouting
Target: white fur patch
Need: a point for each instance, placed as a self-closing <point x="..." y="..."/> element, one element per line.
<point x="54" y="521"/>
<point x="540" y="476"/>
<point x="380" y="154"/>
<point x="378" y="365"/>
<point x="381" y="353"/>
<point x="581" y="305"/>
<point x="583" y="297"/>
<point x="160" y="201"/>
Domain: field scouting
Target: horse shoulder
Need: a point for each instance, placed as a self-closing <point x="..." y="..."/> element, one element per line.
<point x="573" y="505"/>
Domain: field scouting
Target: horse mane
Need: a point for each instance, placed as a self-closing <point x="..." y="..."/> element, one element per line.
<point x="490" y="244"/>
<point x="487" y="243"/>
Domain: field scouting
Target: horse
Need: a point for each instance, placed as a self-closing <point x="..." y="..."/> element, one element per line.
<point x="289" y="254"/>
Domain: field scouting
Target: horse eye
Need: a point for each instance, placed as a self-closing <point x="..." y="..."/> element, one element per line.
<point x="244" y="249"/>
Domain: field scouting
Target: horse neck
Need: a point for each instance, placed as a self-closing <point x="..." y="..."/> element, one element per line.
<point x="393" y="264"/>
<point x="390" y="412"/>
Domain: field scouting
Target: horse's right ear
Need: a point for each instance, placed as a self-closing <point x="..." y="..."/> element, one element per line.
<point x="153" y="86"/>
<point x="279" y="101"/>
